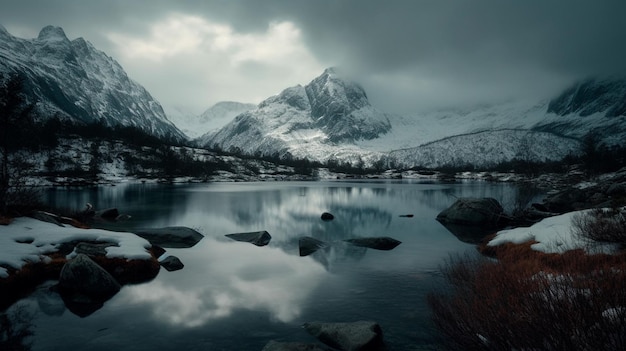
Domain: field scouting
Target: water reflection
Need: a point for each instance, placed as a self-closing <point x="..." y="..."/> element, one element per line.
<point x="229" y="286"/>
<point x="223" y="277"/>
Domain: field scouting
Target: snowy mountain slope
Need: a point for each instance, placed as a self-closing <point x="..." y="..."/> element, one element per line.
<point x="487" y="148"/>
<point x="593" y="105"/>
<point x="75" y="81"/>
<point x="413" y="130"/>
<point x="211" y="120"/>
<point x="294" y="123"/>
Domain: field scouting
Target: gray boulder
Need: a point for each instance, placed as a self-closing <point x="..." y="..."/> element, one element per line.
<point x="486" y="212"/>
<point x="83" y="277"/>
<point x="170" y="237"/>
<point x="260" y="238"/>
<point x="292" y="346"/>
<point x="377" y="243"/>
<point x="355" y="336"/>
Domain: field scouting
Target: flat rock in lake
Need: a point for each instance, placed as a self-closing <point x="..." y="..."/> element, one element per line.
<point x="309" y="245"/>
<point x="377" y="243"/>
<point x="260" y="238"/>
<point x="170" y="237"/>
<point x="171" y="263"/>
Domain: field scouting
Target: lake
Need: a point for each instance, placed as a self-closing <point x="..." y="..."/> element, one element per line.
<point x="236" y="296"/>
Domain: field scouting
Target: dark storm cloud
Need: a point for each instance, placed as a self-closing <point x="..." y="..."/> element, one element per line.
<point x="408" y="54"/>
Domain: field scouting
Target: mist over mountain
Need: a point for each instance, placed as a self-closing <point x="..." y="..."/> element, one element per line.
<point x="74" y="81"/>
<point x="211" y="120"/>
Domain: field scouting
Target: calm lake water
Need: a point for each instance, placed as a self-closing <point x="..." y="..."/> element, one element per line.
<point x="237" y="296"/>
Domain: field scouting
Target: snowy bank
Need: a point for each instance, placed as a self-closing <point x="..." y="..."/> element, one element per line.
<point x="27" y="240"/>
<point x="552" y="235"/>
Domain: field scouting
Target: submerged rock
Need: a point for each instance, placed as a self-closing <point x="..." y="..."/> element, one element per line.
<point x="377" y="243"/>
<point x="309" y="245"/>
<point x="260" y="238"/>
<point x="355" y="336"/>
<point x="292" y="346"/>
<point x="170" y="237"/>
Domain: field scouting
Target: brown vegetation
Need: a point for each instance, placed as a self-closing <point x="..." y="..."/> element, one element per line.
<point x="520" y="298"/>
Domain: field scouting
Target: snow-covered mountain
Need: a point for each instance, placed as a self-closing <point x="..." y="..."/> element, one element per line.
<point x="75" y="81"/>
<point x="318" y="121"/>
<point x="211" y="120"/>
<point x="331" y="118"/>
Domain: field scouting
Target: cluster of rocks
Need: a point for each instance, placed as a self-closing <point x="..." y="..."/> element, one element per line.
<point x="608" y="190"/>
<point x="471" y="219"/>
<point x="86" y="276"/>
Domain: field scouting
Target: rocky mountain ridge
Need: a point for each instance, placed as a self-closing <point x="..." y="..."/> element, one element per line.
<point x="74" y="81"/>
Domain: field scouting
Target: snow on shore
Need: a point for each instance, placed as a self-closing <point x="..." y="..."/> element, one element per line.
<point x="28" y="240"/>
<point x="553" y="235"/>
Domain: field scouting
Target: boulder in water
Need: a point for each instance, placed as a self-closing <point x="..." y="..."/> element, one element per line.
<point x="260" y="238"/>
<point x="170" y="237"/>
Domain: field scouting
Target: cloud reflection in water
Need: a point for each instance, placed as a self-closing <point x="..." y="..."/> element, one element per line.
<point x="222" y="277"/>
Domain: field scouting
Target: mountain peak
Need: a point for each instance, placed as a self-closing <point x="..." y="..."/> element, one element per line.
<point x="52" y="33"/>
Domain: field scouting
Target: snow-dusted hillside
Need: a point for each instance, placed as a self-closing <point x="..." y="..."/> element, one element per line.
<point x="331" y="118"/>
<point x="211" y="120"/>
<point x="75" y="81"/>
<point x="487" y="148"/>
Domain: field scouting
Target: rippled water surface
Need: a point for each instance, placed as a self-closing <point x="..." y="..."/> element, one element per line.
<point x="237" y="296"/>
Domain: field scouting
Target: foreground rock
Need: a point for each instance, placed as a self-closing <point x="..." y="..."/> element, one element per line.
<point x="260" y="238"/>
<point x="484" y="212"/>
<point x="356" y="336"/>
<point x="292" y="346"/>
<point x="377" y="243"/>
<point x="170" y="237"/>
<point x="82" y="278"/>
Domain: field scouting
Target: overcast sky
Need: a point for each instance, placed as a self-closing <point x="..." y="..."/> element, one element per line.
<point x="409" y="55"/>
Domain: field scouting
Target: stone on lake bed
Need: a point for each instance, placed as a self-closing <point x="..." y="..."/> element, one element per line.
<point x="260" y="238"/>
<point x="170" y="237"/>
<point x="355" y="336"/>
<point x="377" y="243"/>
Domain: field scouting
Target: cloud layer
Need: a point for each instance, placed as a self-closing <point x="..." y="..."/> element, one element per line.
<point x="409" y="55"/>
